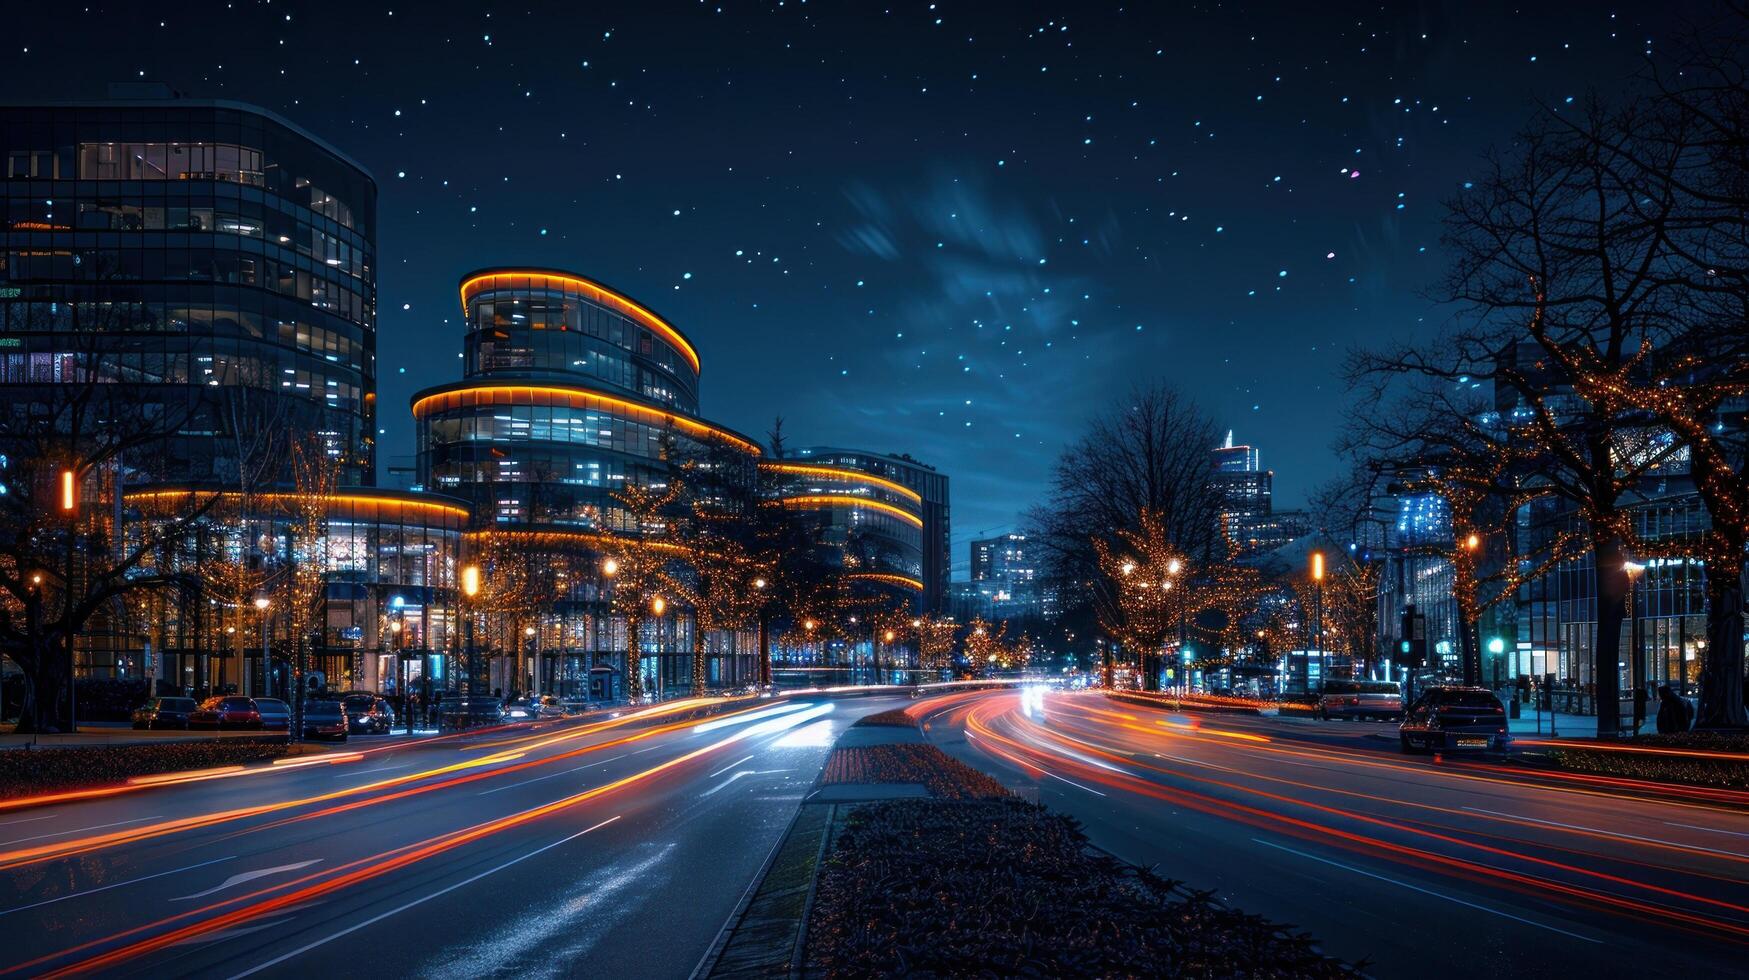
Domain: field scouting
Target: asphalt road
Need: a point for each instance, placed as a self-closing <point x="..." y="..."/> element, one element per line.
<point x="614" y="848"/>
<point x="1426" y="867"/>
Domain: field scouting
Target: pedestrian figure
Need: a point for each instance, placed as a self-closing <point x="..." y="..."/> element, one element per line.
<point x="1674" y="714"/>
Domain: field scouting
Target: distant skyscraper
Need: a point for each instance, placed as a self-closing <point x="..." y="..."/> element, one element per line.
<point x="929" y="483"/>
<point x="1246" y="489"/>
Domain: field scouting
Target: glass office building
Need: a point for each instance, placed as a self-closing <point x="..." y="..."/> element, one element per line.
<point x="874" y="522"/>
<point x="929" y="484"/>
<point x="189" y="248"/>
<point x="386" y="614"/>
<point x="571" y="391"/>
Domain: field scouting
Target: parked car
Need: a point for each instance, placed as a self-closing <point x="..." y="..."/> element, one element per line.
<point x="234" y="711"/>
<point x="1455" y="718"/>
<point x="521" y="709"/>
<point x="461" y="713"/>
<point x="275" y="714"/>
<point x="325" y="719"/>
<point x="1360" y="699"/>
<point x="367" y="714"/>
<point x="164" y="713"/>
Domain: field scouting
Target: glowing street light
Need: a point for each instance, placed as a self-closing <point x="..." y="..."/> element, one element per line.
<point x="658" y="604"/>
<point x="1173" y="566"/>
<point x="471" y="581"/>
<point x="759" y="583"/>
<point x="69" y="492"/>
<point x="262" y="602"/>
<point x="610" y="568"/>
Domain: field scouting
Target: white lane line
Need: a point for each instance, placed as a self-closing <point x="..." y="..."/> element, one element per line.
<point x="1427" y="891"/>
<point x="81" y="830"/>
<point x="1710" y="830"/>
<point x="650" y="749"/>
<point x="119" y="884"/>
<point x="45" y="816"/>
<point x="1071" y="782"/>
<point x="525" y="782"/>
<point x="373" y="920"/>
<point x="366" y="772"/>
<point x="243" y="876"/>
<point x="1195" y="762"/>
<point x="1607" y="833"/>
<point x="726" y="768"/>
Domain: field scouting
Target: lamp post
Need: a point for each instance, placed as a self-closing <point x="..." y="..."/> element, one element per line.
<point x="1637" y="656"/>
<point x="531" y="638"/>
<point x="1318" y="612"/>
<point x="470" y="589"/>
<point x="658" y="606"/>
<point x="1470" y="638"/>
<point x="261" y="605"/>
<point x="759" y="584"/>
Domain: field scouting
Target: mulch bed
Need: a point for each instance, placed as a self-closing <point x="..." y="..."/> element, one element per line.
<point x="1001" y="887"/>
<point x="29" y="772"/>
<point x="945" y="777"/>
<point x="896" y="718"/>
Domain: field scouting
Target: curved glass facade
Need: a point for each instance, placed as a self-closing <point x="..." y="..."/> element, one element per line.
<point x="197" y="246"/>
<point x="571" y="392"/>
<point x="876" y="522"/>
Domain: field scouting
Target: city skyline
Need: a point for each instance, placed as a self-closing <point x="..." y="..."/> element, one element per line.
<point x="983" y="226"/>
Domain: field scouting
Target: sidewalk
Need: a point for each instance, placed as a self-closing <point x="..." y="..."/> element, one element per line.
<point x="1564" y="726"/>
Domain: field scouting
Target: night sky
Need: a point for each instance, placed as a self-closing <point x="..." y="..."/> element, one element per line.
<point x="947" y="229"/>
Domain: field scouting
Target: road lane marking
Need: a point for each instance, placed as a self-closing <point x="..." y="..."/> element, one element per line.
<point x="1427" y="891"/>
<point x="119" y="884"/>
<point x="244" y="876"/>
<point x="744" y="772"/>
<point x="525" y="782"/>
<point x="726" y="768"/>
<point x="1608" y="833"/>
<point x="1710" y="830"/>
<point x="373" y="920"/>
<point x="81" y="830"/>
<point x="1197" y="762"/>
<point x="1071" y="782"/>
<point x="45" y="816"/>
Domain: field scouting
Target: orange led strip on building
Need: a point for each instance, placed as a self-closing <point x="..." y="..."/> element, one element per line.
<point x="845" y="500"/>
<point x="890" y="579"/>
<point x="838" y="473"/>
<point x="595" y="291"/>
<point x="572" y="397"/>
<point x="593" y="539"/>
<point x="449" y="510"/>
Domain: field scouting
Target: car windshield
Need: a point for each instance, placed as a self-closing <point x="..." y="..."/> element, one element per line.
<point x="1360" y="687"/>
<point x="322" y="708"/>
<point x="239" y="704"/>
<point x="176" y="704"/>
<point x="359" y="703"/>
<point x="1470" y="699"/>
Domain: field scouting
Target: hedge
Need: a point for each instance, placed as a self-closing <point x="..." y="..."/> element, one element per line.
<point x="1005" y="888"/>
<point x="29" y="772"/>
<point x="1729" y="773"/>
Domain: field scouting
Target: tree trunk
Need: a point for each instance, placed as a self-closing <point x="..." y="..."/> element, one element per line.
<point x="634" y="667"/>
<point x="764" y="649"/>
<point x="697" y="659"/>
<point x="1612" y="589"/>
<point x="1468" y="651"/>
<point x="1721" y="674"/>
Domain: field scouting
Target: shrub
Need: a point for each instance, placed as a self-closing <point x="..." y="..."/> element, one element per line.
<point x="1005" y="888"/>
<point x="29" y="772"/>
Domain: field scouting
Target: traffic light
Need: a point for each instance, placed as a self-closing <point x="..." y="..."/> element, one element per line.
<point x="1414" y="634"/>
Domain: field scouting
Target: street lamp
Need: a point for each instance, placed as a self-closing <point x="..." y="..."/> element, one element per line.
<point x="1637" y="658"/>
<point x="1318" y="611"/>
<point x="470" y="589"/>
<point x="529" y="634"/>
<point x="261" y="604"/>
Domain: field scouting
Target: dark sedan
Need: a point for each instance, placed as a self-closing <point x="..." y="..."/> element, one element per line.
<point x="325" y="720"/>
<point x="462" y="713"/>
<point x="367" y="714"/>
<point x="226" y="712"/>
<point x="1454" y="718"/>
<point x="164" y="713"/>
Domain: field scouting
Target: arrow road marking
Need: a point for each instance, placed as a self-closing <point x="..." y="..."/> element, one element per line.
<point x="241" y="877"/>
